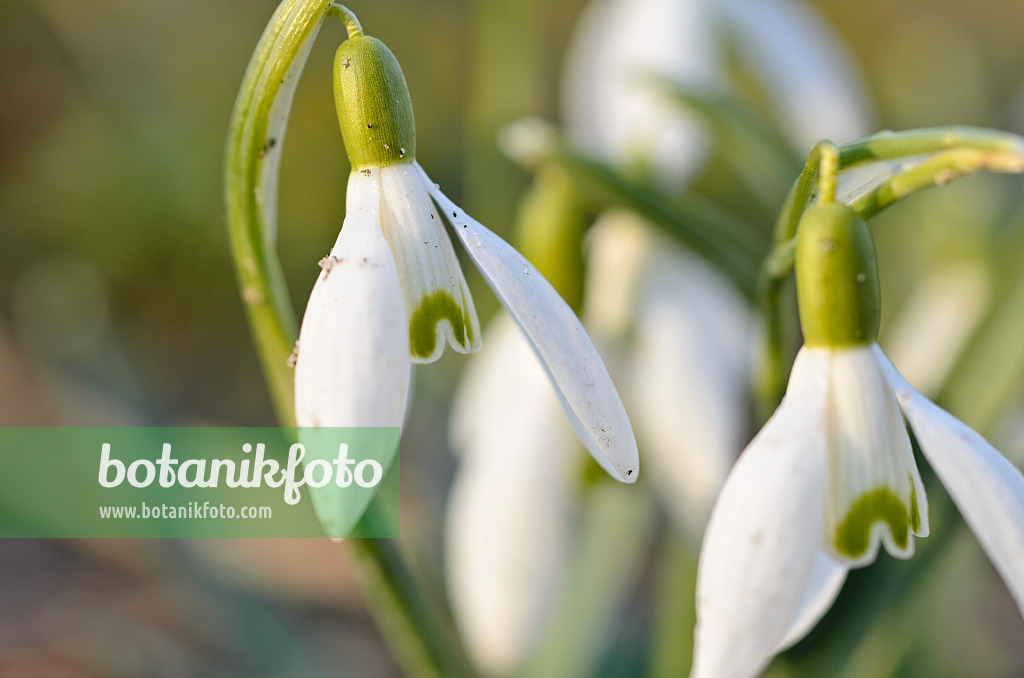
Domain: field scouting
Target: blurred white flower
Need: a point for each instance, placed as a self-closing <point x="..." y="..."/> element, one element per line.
<point x="508" y="519"/>
<point x="832" y="472"/>
<point x="673" y="330"/>
<point x="607" y="105"/>
<point x="684" y="326"/>
<point x="680" y="335"/>
<point x="936" y="322"/>
<point x="802" y="66"/>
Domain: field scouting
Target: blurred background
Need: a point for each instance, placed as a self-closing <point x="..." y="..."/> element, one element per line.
<point x="118" y="303"/>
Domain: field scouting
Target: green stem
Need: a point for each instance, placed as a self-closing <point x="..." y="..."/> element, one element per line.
<point x="408" y="617"/>
<point x="828" y="171"/>
<point x="937" y="170"/>
<point x="773" y="363"/>
<point x="351" y="21"/>
<point x="888" y="145"/>
<point x="420" y="638"/>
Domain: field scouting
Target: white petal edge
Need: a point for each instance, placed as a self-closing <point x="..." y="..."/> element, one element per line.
<point x="582" y="382"/>
<point x="986" y="488"/>
<point x="508" y="520"/>
<point x="353" y="363"/>
<point x="823" y="585"/>
<point x="763" y="538"/>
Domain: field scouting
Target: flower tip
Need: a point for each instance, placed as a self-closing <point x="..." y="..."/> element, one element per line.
<point x="628" y="474"/>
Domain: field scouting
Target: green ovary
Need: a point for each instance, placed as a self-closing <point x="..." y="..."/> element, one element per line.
<point x="423" y="324"/>
<point x="854" y="534"/>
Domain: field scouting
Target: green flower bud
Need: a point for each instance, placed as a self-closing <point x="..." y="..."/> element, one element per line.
<point x="836" y="278"/>
<point x="374" y="108"/>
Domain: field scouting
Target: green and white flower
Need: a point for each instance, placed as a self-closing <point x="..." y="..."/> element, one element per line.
<point x="392" y="293"/>
<point x="832" y="477"/>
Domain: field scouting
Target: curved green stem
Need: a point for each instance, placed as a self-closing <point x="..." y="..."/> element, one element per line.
<point x="828" y="171"/>
<point x="251" y="149"/>
<point x="351" y="21"/>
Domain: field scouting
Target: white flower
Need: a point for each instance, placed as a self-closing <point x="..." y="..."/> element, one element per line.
<point x="679" y="334"/>
<point x="392" y="292"/>
<point x="609" y="107"/>
<point x="509" y="513"/>
<point x="831" y="477"/>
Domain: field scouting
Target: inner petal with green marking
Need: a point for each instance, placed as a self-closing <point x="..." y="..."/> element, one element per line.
<point x="880" y="507"/>
<point x="436" y="308"/>
<point x="874" y="493"/>
<point x="437" y="300"/>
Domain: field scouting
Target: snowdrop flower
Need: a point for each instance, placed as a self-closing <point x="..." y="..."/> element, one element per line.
<point x="509" y="518"/>
<point x="609" y="106"/>
<point x="831" y="477"/>
<point x="391" y="291"/>
<point x="679" y="334"/>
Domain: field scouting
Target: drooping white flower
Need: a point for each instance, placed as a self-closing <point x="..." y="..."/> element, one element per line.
<point x="679" y="334"/>
<point x="831" y="477"/>
<point x="392" y="291"/>
<point x="607" y="103"/>
<point x="509" y="512"/>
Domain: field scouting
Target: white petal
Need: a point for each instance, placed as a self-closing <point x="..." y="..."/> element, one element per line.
<point x="584" y="387"/>
<point x="607" y="103"/>
<point x="508" y="516"/>
<point x="353" y="362"/>
<point x="805" y="69"/>
<point x="823" y="585"/>
<point x="436" y="294"/>
<point x="986" y="488"/>
<point x="763" y="538"/>
<point x="873" y="492"/>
